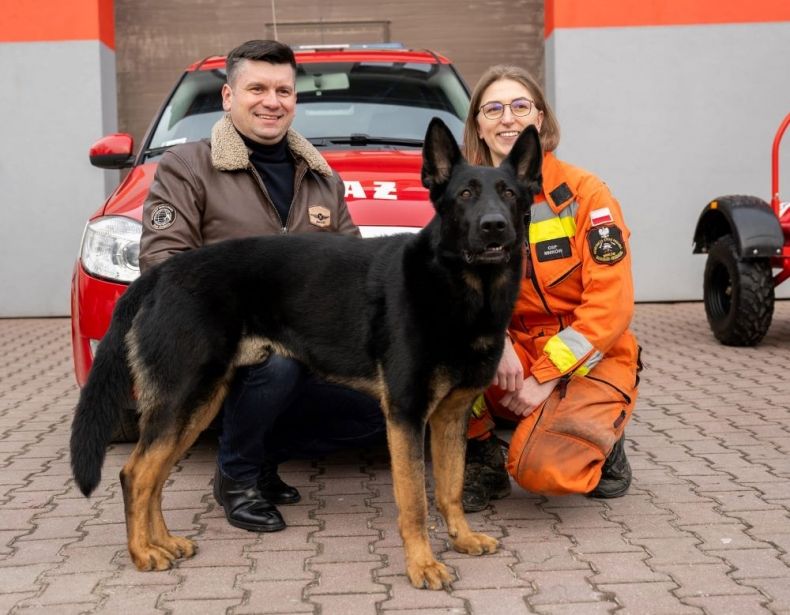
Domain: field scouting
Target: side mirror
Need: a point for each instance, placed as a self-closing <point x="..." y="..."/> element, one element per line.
<point x="113" y="151"/>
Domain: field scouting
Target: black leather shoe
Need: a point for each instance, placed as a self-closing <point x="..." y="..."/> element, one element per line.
<point x="615" y="474"/>
<point x="274" y="489"/>
<point x="244" y="505"/>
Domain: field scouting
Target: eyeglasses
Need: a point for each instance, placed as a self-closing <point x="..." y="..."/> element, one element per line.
<point x="520" y="106"/>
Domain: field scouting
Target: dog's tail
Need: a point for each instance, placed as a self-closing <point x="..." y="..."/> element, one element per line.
<point x="107" y="392"/>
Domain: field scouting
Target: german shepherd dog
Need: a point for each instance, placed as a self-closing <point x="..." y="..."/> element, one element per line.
<point x="418" y="321"/>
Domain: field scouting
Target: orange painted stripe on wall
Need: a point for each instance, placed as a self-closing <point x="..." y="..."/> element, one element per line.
<point x="58" y="20"/>
<point x="629" y="13"/>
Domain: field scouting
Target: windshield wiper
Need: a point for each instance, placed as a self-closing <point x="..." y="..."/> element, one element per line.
<point x="364" y="139"/>
<point x="155" y="151"/>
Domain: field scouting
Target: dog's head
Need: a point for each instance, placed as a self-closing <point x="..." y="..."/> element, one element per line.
<point x="482" y="210"/>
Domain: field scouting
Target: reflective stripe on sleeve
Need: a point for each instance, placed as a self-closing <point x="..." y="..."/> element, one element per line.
<point x="587" y="366"/>
<point x="569" y="347"/>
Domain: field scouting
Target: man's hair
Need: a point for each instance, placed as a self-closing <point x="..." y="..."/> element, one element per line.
<point x="273" y="52"/>
<point x="475" y="149"/>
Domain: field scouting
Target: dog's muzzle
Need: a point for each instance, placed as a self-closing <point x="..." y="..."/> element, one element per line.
<point x="494" y="235"/>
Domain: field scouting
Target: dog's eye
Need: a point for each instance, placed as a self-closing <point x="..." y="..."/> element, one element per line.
<point x="466" y="194"/>
<point x="508" y="193"/>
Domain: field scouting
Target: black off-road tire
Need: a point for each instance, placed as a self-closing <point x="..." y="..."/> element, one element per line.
<point x="127" y="429"/>
<point x="739" y="295"/>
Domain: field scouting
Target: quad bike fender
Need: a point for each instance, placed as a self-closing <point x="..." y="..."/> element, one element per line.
<point x="750" y="221"/>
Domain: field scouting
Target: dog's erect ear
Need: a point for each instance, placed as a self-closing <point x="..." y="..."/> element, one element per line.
<point x="526" y="159"/>
<point x="439" y="154"/>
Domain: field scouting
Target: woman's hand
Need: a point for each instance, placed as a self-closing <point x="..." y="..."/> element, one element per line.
<point x="510" y="373"/>
<point x="529" y="397"/>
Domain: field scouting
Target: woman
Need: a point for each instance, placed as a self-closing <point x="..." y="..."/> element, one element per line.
<point x="568" y="374"/>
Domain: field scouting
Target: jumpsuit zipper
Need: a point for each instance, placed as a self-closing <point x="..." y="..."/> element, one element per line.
<point x="564" y="276"/>
<point x="534" y="279"/>
<point x="609" y="384"/>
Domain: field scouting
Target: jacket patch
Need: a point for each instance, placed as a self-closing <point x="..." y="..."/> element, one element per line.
<point x="601" y="216"/>
<point x="163" y="217"/>
<point x="606" y="244"/>
<point x="320" y="216"/>
<point x="560" y="194"/>
<point x="553" y="249"/>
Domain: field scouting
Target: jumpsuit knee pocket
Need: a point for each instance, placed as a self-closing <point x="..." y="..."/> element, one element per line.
<point x="562" y="449"/>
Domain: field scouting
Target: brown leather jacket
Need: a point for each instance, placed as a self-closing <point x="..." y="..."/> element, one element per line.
<point x="205" y="192"/>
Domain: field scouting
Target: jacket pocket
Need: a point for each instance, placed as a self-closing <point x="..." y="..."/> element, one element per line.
<point x="556" y="278"/>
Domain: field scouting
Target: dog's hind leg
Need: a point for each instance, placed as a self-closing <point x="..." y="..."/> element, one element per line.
<point x="139" y="479"/>
<point x="448" y="442"/>
<point x="406" y="444"/>
<point x="151" y="546"/>
<point x="160" y="536"/>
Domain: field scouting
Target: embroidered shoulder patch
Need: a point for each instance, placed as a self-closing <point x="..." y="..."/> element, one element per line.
<point x="162" y="217"/>
<point x="606" y="244"/>
<point x="320" y="216"/>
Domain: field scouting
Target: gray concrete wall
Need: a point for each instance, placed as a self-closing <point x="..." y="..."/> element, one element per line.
<point x="56" y="100"/>
<point x="671" y="117"/>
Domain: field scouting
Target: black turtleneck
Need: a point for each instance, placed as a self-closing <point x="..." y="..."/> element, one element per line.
<point x="276" y="167"/>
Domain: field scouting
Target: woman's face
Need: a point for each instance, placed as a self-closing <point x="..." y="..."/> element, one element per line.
<point x="500" y="133"/>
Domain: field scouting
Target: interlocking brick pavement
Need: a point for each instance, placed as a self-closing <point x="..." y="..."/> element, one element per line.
<point x="704" y="529"/>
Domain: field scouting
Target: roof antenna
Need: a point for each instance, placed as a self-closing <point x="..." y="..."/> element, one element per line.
<point x="274" y="21"/>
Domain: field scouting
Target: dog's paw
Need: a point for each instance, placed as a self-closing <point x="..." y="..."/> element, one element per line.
<point x="431" y="575"/>
<point x="178" y="546"/>
<point x="475" y="544"/>
<point x="151" y="557"/>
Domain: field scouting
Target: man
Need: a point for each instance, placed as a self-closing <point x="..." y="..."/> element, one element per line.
<point x="256" y="176"/>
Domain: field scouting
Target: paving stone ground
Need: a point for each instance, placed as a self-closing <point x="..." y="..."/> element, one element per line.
<point x="704" y="529"/>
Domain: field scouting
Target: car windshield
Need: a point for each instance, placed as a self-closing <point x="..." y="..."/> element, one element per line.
<point x="346" y="104"/>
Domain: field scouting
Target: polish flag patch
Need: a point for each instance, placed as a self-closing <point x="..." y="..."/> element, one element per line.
<point x="600" y="216"/>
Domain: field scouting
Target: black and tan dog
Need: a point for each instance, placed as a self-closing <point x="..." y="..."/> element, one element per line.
<point x="418" y="321"/>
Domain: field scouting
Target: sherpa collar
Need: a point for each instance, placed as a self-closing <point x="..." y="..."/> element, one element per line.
<point x="228" y="152"/>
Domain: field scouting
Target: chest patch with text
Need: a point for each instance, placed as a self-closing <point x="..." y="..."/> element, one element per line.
<point x="606" y="244"/>
<point x="553" y="249"/>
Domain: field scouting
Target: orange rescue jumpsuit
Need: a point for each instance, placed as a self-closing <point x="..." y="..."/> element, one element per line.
<point x="571" y="322"/>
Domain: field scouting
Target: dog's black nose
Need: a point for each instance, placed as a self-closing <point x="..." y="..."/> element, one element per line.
<point x="493" y="224"/>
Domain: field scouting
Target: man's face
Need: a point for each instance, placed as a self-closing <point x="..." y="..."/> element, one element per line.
<point x="261" y="100"/>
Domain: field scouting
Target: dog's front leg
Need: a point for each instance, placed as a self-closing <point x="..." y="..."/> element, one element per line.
<point x="448" y="443"/>
<point x="406" y="444"/>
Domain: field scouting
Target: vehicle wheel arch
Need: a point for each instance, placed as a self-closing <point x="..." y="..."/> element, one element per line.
<point x="750" y="220"/>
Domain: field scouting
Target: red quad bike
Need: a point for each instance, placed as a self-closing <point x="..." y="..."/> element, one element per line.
<point x="745" y="240"/>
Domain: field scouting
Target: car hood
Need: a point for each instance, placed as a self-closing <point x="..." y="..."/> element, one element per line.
<point x="383" y="187"/>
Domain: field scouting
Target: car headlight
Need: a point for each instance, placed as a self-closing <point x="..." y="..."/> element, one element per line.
<point x="111" y="248"/>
